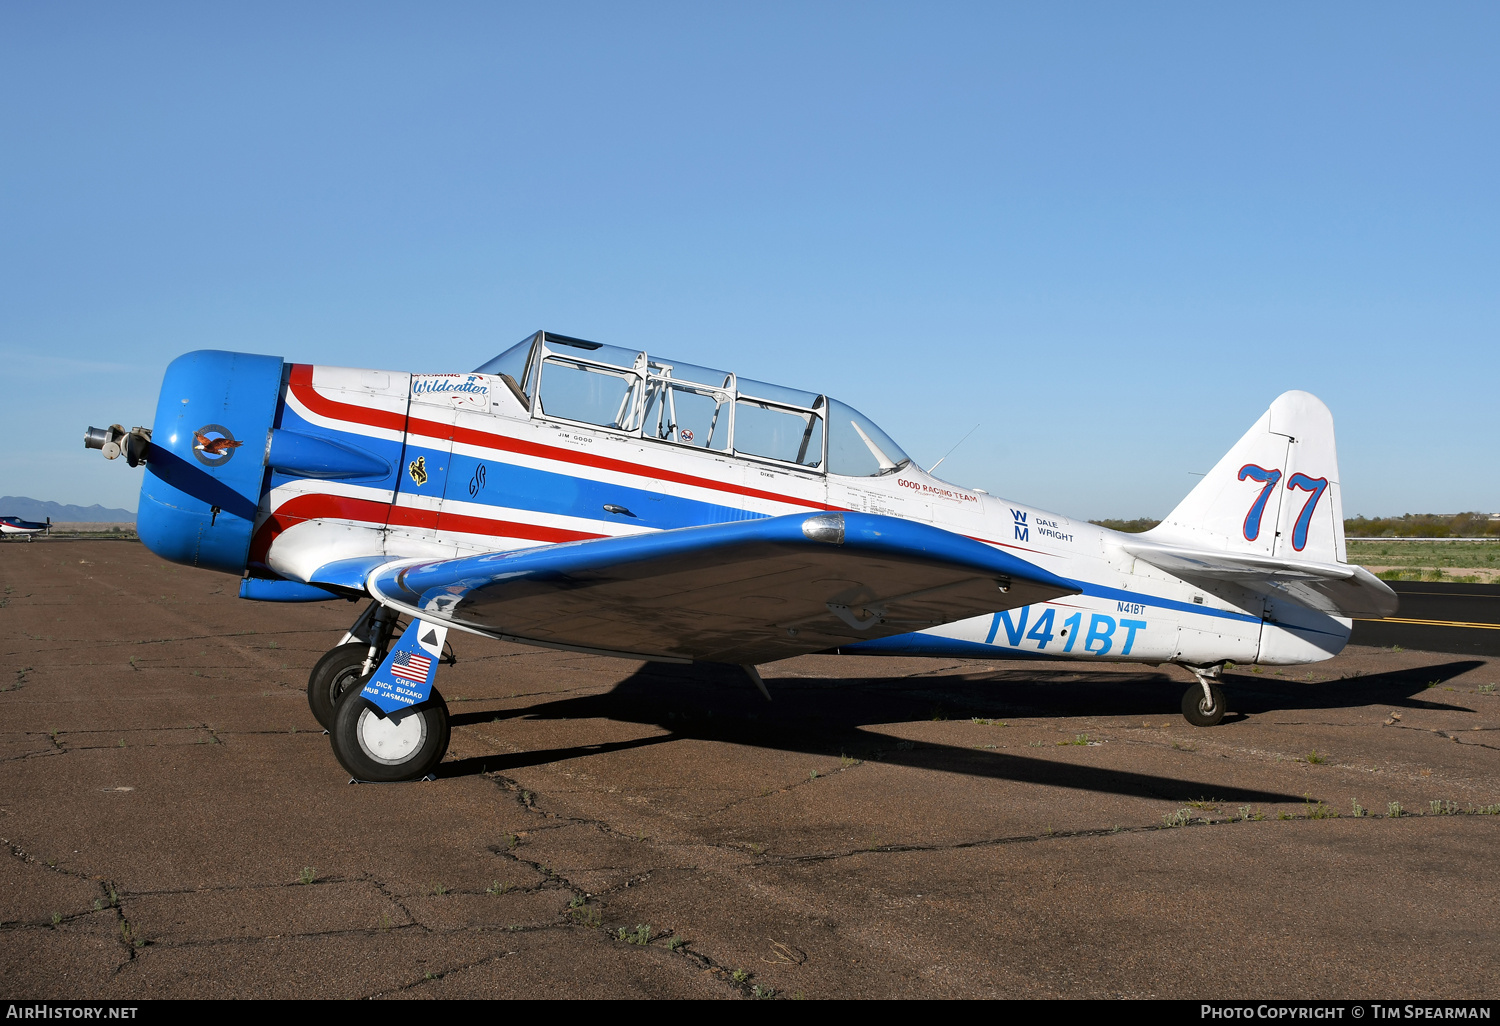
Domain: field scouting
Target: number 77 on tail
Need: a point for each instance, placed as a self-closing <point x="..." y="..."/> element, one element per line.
<point x="587" y="497"/>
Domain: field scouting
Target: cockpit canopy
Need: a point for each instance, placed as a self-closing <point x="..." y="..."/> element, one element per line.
<point x="652" y="397"/>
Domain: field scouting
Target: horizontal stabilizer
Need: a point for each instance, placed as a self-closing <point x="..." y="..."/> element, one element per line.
<point x="1338" y="589"/>
<point x="746" y="592"/>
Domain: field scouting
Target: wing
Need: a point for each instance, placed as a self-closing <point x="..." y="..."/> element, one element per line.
<point x="1338" y="589"/>
<point x="747" y="592"/>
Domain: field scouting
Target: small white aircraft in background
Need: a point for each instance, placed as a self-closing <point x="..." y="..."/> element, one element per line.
<point x="581" y="496"/>
<point x="15" y="527"/>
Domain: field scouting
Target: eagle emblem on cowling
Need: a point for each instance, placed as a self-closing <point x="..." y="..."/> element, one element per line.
<point x="213" y="445"/>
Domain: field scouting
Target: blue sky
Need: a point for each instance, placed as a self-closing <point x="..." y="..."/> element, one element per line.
<point x="1109" y="234"/>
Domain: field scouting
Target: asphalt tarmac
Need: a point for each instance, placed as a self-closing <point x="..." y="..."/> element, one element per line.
<point x="1438" y="617"/>
<point x="178" y="827"/>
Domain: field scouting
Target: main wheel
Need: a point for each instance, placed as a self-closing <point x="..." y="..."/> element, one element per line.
<point x="405" y="745"/>
<point x="334" y="674"/>
<point x="1202" y="712"/>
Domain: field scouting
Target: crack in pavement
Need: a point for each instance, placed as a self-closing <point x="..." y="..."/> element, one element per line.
<point x="527" y="799"/>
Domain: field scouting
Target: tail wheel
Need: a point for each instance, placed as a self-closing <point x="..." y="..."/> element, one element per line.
<point x="334" y="674"/>
<point x="406" y="745"/>
<point x="1201" y="711"/>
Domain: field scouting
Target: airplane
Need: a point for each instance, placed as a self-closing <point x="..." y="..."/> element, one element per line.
<point x="595" y="498"/>
<point x="28" y="529"/>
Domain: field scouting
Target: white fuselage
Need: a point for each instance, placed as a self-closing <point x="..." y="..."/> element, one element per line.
<point x="477" y="478"/>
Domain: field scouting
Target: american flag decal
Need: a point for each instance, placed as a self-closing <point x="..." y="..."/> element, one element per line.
<point x="411" y="666"/>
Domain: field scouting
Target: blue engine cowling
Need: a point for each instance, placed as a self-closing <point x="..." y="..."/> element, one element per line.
<point x="206" y="464"/>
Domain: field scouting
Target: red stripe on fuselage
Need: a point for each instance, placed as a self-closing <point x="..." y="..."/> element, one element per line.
<point x="302" y="508"/>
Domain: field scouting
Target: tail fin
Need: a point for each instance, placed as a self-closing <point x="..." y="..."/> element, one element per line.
<point x="1276" y="493"/>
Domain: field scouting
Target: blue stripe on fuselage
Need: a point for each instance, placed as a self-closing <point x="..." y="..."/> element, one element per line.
<point x="543" y="491"/>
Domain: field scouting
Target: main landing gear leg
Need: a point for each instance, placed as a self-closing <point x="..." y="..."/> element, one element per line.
<point x="356" y="657"/>
<point x="1203" y="702"/>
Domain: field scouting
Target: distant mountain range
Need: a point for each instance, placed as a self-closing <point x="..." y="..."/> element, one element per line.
<point x="36" y="509"/>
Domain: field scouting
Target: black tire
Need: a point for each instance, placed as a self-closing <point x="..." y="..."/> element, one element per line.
<point x="1199" y="712"/>
<point x="404" y="746"/>
<point x="334" y="674"/>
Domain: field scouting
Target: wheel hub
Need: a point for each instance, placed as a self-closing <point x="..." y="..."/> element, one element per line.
<point x="393" y="739"/>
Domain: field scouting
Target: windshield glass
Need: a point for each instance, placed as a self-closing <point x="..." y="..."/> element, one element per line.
<point x="512" y="367"/>
<point x="857" y="448"/>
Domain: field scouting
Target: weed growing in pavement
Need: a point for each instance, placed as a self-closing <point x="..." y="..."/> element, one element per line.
<point x="498" y="888"/>
<point x="739" y="976"/>
<point x="1320" y="811"/>
<point x="1397" y="648"/>
<point x="674" y="943"/>
<point x="640" y="935"/>
<point x="511" y="840"/>
<point x="1358" y="810"/>
<point x="762" y="993"/>
<point x="1443" y="808"/>
<point x="1115" y="829"/>
<point x="580" y="910"/>
<point x="1393" y="810"/>
<point x="308" y="875"/>
<point x="1181" y="818"/>
<point x="1078" y="739"/>
<point x="1486" y="689"/>
<point x="812" y="775"/>
<point x="1205" y="804"/>
<point x="989" y="723"/>
<point x="1316" y="759"/>
<point x="1487" y="810"/>
<point x="385" y="921"/>
<point x="938" y="713"/>
<point x="56" y="918"/>
<point x="439" y="889"/>
<point x="1034" y="744"/>
<point x="845" y="761"/>
<point x="1285" y="815"/>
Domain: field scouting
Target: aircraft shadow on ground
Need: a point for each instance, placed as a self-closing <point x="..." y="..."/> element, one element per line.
<point x="832" y="716"/>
